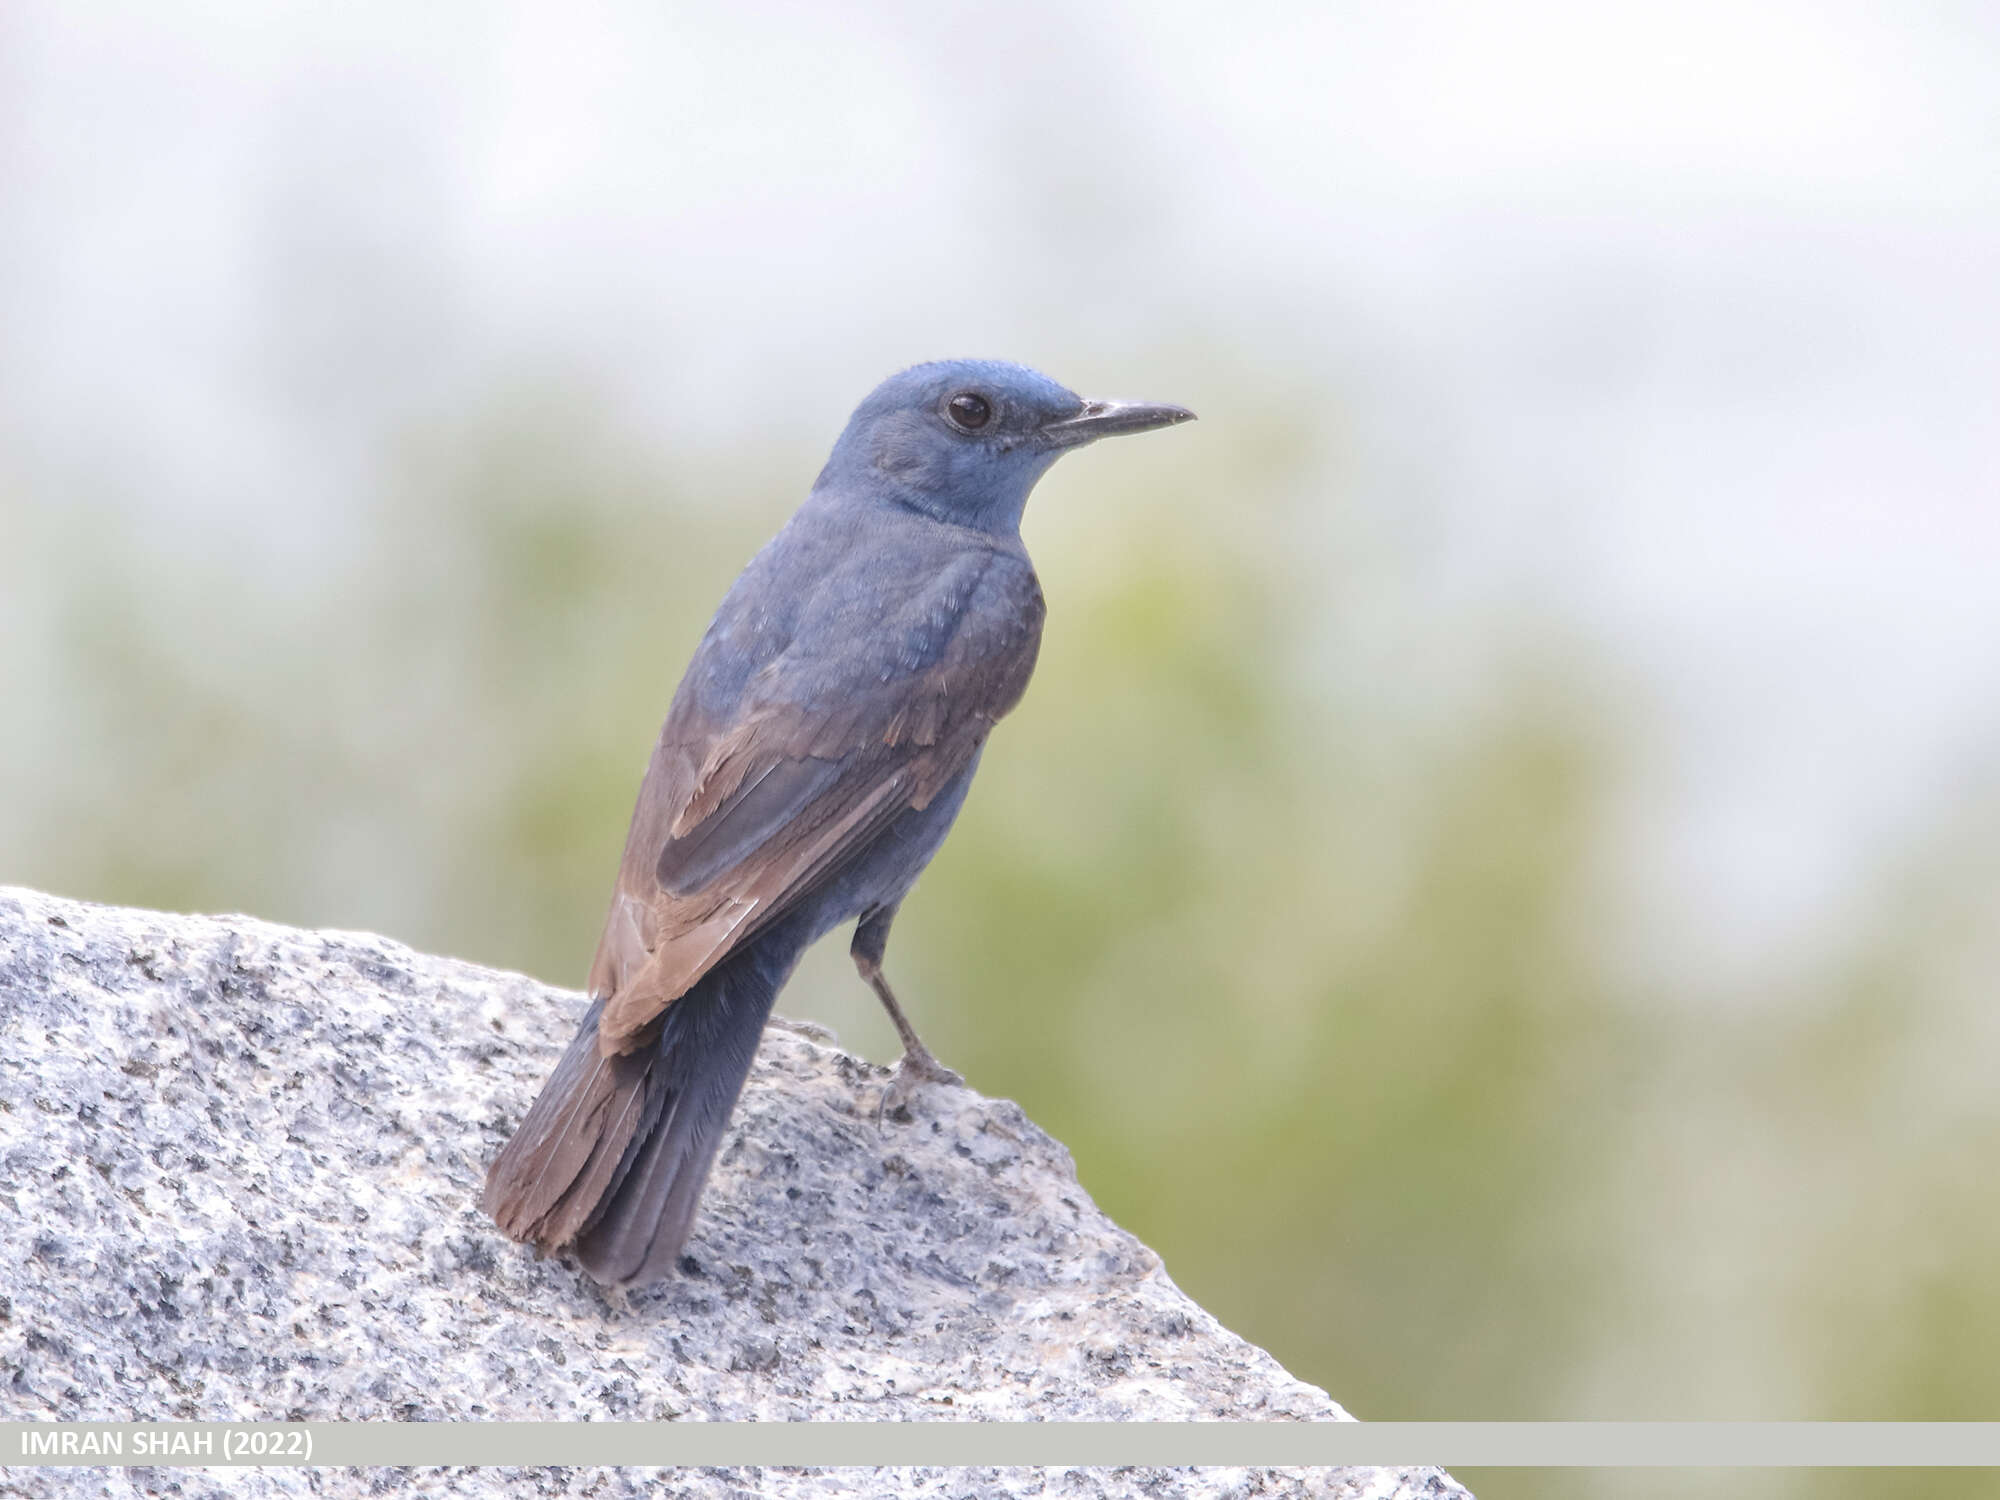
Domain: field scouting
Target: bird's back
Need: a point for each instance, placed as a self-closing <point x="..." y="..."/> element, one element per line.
<point x="861" y="624"/>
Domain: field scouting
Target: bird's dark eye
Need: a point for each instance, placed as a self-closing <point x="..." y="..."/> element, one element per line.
<point x="968" y="410"/>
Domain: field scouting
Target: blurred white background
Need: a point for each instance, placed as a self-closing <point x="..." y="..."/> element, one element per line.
<point x="1684" y="324"/>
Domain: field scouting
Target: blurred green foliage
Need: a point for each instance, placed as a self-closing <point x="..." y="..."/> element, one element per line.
<point x="1309" y="977"/>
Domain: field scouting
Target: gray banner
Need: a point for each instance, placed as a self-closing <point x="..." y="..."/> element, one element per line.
<point x="955" y="1444"/>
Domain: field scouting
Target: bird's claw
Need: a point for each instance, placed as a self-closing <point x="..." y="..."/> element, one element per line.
<point x="915" y="1071"/>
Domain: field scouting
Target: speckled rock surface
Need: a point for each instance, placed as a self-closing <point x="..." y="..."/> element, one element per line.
<point x="559" y="1483"/>
<point x="239" y="1169"/>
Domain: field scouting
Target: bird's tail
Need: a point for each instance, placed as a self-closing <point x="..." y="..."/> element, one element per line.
<point x="610" y="1160"/>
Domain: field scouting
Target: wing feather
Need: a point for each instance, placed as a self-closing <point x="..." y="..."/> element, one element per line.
<point x="743" y="814"/>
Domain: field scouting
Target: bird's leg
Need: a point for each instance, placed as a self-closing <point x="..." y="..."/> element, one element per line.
<point x="871" y="939"/>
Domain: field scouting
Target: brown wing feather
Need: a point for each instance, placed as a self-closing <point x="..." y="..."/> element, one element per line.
<point x="736" y="821"/>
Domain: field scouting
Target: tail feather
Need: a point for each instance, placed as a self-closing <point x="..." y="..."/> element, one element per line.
<point x="564" y="1156"/>
<point x="619" y="1247"/>
<point x="610" y="1160"/>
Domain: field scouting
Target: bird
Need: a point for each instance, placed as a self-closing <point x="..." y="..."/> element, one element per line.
<point x="813" y="758"/>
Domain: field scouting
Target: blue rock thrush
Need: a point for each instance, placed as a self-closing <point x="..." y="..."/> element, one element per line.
<point x="813" y="759"/>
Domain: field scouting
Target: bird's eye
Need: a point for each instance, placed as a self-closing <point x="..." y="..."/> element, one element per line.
<point x="969" y="411"/>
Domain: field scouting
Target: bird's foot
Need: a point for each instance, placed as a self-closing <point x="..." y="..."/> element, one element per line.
<point x="917" y="1069"/>
<point x="920" y="1067"/>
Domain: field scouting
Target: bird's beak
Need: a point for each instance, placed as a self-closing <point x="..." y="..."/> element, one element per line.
<point x="1109" y="418"/>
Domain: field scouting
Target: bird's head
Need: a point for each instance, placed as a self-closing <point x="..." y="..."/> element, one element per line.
<point x="964" y="440"/>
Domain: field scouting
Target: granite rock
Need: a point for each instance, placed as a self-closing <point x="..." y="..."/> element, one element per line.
<point x="239" y="1174"/>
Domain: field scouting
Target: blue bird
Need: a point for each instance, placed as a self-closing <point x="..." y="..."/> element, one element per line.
<point x="813" y="760"/>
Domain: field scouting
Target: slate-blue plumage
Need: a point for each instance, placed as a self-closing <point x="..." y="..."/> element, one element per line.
<point x="813" y="760"/>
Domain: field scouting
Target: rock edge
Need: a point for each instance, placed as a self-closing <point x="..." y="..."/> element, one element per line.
<point x="242" y="1165"/>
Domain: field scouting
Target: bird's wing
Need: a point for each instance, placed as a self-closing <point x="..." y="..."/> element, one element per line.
<point x="741" y="815"/>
